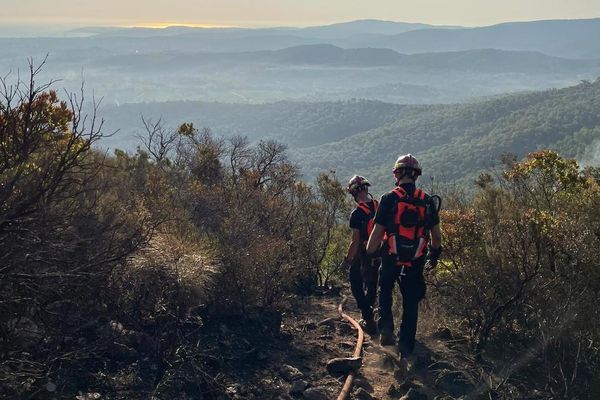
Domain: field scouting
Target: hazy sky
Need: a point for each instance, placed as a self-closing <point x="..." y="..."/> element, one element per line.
<point x="287" y="12"/>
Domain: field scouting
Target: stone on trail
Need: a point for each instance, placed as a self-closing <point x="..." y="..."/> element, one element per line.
<point x="316" y="393"/>
<point x="290" y="373"/>
<point x="344" y="365"/>
<point x="298" y="387"/>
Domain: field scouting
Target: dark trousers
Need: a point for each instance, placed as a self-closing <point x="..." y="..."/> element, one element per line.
<point x="412" y="288"/>
<point x="363" y="283"/>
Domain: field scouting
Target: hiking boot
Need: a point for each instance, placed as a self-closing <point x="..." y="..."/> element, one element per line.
<point x="369" y="326"/>
<point x="387" y="337"/>
<point x="404" y="351"/>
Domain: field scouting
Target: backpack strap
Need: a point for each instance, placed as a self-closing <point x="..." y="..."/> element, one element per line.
<point x="369" y="208"/>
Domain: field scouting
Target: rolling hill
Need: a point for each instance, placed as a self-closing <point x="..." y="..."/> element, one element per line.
<point x="561" y="38"/>
<point x="455" y="142"/>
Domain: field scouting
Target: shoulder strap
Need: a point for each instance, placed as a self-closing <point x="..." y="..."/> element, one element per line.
<point x="373" y="206"/>
<point x="400" y="192"/>
<point x="417" y="198"/>
<point x="364" y="207"/>
<point x="419" y="194"/>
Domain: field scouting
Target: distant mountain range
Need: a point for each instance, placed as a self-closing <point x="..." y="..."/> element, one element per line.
<point x="377" y="60"/>
<point x="561" y="38"/>
<point x="331" y="31"/>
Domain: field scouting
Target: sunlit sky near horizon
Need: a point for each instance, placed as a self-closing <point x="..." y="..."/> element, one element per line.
<point x="260" y="13"/>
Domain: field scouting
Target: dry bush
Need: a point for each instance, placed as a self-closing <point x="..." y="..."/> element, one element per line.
<point x="520" y="271"/>
<point x="60" y="233"/>
<point x="163" y="280"/>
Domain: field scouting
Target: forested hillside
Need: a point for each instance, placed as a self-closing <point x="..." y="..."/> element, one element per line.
<point x="454" y="142"/>
<point x="298" y="124"/>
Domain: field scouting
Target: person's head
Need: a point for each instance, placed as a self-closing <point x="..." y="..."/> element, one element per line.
<point x="406" y="169"/>
<point x="358" y="187"/>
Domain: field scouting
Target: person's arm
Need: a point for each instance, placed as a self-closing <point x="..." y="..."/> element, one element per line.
<point x="435" y="247"/>
<point x="375" y="239"/>
<point x="354" y="246"/>
<point x="436" y="237"/>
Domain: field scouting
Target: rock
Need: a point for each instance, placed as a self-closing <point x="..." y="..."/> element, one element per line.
<point x="316" y="393"/>
<point x="362" y="394"/>
<point x="443" y="333"/>
<point x="344" y="365"/>
<point x="290" y="373"/>
<point x="298" y="387"/>
<point x="414" y="394"/>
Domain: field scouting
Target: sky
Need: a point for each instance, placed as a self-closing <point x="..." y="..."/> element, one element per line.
<point x="260" y="13"/>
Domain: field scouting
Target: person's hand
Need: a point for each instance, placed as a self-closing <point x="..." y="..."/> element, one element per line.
<point x="434" y="255"/>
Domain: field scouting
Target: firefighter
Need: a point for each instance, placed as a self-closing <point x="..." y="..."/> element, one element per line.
<point x="363" y="269"/>
<point x="408" y="224"/>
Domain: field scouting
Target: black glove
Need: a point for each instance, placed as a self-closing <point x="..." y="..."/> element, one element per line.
<point x="434" y="255"/>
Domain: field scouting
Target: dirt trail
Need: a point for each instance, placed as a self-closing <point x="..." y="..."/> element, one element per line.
<point x="292" y="364"/>
<point x="431" y="372"/>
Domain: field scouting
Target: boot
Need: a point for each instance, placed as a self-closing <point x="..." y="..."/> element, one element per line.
<point x="387" y="337"/>
<point x="368" y="325"/>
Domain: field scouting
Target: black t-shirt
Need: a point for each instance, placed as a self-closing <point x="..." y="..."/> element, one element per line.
<point x="360" y="220"/>
<point x="388" y="206"/>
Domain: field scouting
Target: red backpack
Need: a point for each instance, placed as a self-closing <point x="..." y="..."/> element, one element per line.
<point x="407" y="238"/>
<point x="370" y="209"/>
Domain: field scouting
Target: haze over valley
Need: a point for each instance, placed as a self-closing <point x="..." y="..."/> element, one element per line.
<point x="321" y="86"/>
